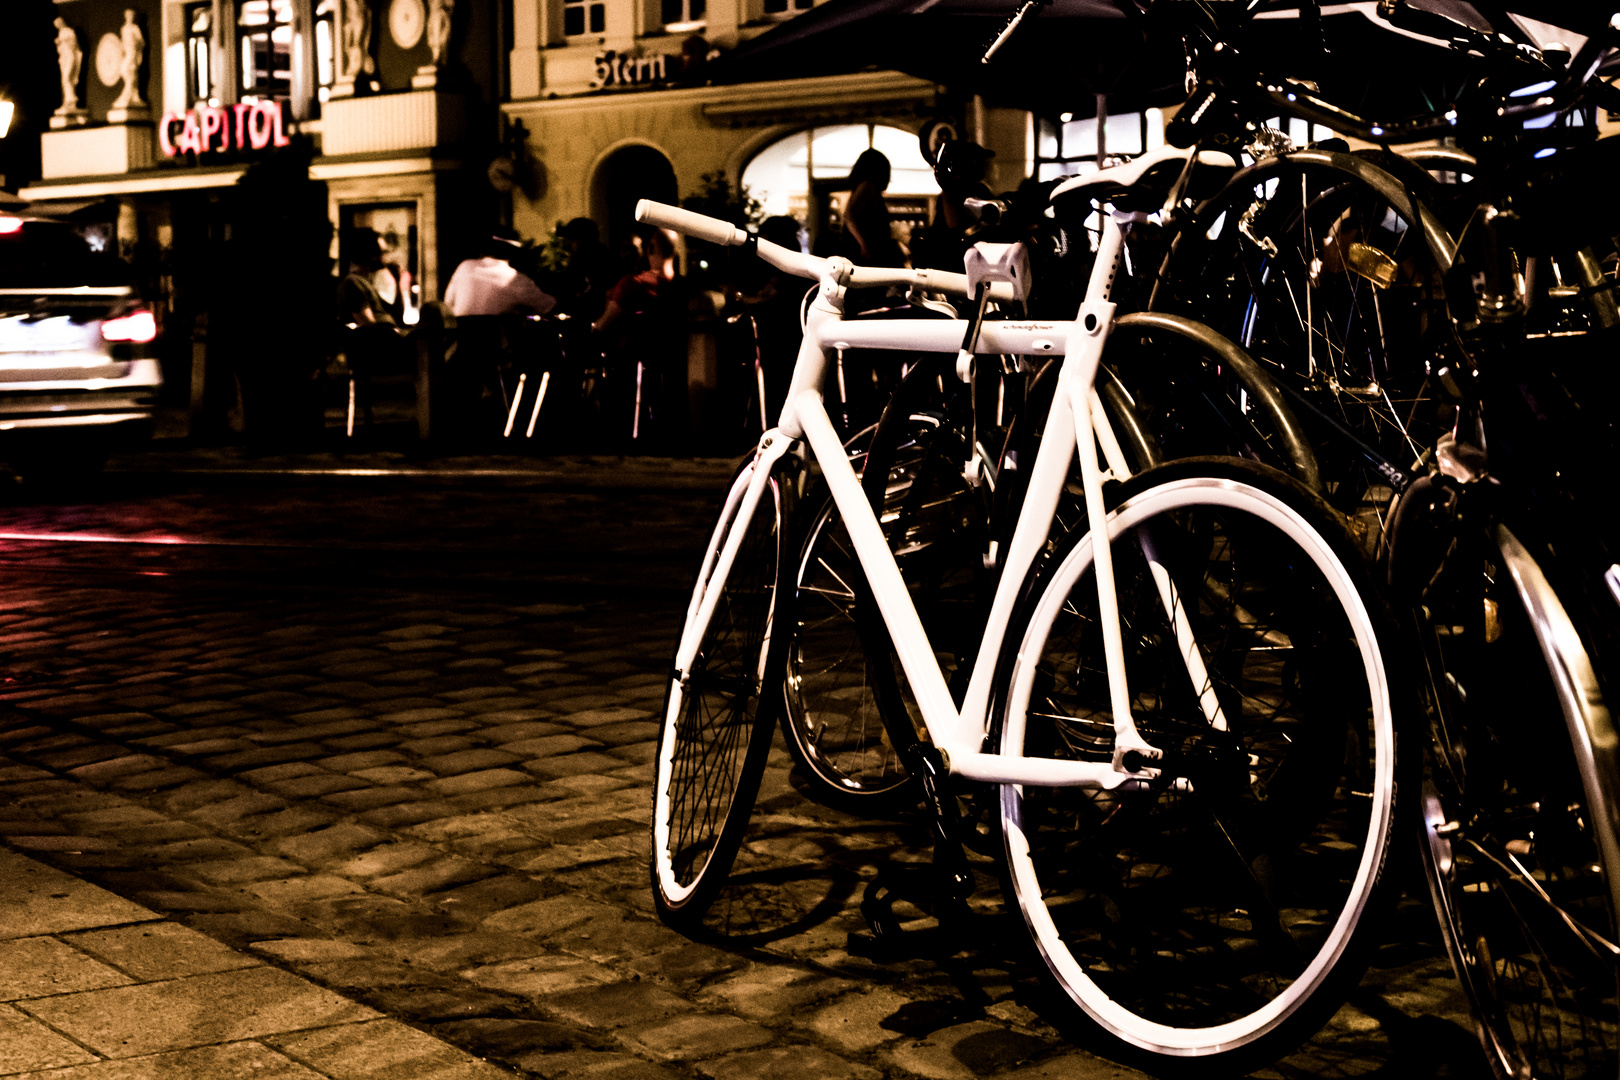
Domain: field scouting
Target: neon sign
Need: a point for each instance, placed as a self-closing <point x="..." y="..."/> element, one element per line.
<point x="211" y="129"/>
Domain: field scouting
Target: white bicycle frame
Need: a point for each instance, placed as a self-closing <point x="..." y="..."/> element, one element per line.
<point x="1076" y="423"/>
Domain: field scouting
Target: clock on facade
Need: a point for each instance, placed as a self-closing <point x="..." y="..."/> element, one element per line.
<point x="406" y="21"/>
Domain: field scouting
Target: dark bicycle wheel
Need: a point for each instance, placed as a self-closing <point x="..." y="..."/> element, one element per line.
<point x="1311" y="263"/>
<point x="848" y="714"/>
<point x="1514" y="804"/>
<point x="716" y="730"/>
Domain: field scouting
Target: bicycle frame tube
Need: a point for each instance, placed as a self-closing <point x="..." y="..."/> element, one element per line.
<point x="960" y="734"/>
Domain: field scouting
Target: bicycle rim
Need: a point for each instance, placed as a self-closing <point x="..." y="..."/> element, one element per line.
<point x="1191" y="923"/>
<point x="1512" y="858"/>
<point x="716" y="728"/>
<point x="834" y="724"/>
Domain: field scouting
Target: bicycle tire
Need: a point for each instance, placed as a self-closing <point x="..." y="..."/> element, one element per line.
<point x="1519" y="784"/>
<point x="847" y="714"/>
<point x="715" y="734"/>
<point x="1310" y="262"/>
<point x="1216" y="926"/>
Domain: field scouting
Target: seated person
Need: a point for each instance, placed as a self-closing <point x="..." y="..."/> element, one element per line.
<point x="489" y="285"/>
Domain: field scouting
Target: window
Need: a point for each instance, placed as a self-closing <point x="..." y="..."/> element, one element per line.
<point x="1068" y="147"/>
<point x="584" y="17"/>
<point x="264" y="28"/>
<point x="325" y="47"/>
<point x="199" y="52"/>
<point x="684" y="14"/>
<point x="778" y="7"/>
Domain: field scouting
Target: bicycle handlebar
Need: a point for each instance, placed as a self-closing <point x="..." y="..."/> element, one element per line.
<point x="797" y="263"/>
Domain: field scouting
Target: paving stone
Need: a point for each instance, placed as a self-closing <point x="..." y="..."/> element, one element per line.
<point x="386" y="859"/>
<point x="470" y="782"/>
<point x="114" y="768"/>
<point x="583" y="762"/>
<point x="445" y="872"/>
<point x="427" y="715"/>
<point x="292" y="892"/>
<point x="698" y="1036"/>
<point x="615" y="1005"/>
<point x="195" y="1011"/>
<point x="404" y="814"/>
<point x="384" y="1050"/>
<point x="963" y="1051"/>
<point x="311" y="950"/>
<point x="41" y="966"/>
<point x="161" y="950"/>
<point x="542" y="976"/>
<point x="549" y="746"/>
<point x="854" y="1022"/>
<point x="786" y="1063"/>
<point x="597" y="1065"/>
<point x="1078" y="1065"/>
<point x="236" y="809"/>
<point x="463" y="761"/>
<point x="241" y="1059"/>
<point x="244" y="870"/>
<point x="369" y="759"/>
<point x="27" y="1045"/>
<point x="361" y="800"/>
<point x="337" y="841"/>
<point x="770" y="991"/>
<point x="543" y="918"/>
<point x="510" y="1040"/>
<point x="41" y="900"/>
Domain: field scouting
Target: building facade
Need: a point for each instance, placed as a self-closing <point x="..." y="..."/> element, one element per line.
<point x="237" y="142"/>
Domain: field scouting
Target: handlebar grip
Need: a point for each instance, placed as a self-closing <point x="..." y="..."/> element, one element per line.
<point x="701" y="226"/>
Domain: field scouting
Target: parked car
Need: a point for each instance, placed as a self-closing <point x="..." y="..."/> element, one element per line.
<point x="78" y="372"/>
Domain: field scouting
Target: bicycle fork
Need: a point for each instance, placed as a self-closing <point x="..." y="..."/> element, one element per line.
<point x="742" y="502"/>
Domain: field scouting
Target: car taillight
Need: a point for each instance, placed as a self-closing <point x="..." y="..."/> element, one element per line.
<point x="9" y="225"/>
<point x="138" y="327"/>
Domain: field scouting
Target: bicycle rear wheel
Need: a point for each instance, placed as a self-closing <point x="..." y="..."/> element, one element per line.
<point x="716" y="731"/>
<point x="1513" y="809"/>
<point x="1216" y="914"/>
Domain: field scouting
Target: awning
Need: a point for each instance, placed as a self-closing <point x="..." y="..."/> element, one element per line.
<point x="1058" y="61"/>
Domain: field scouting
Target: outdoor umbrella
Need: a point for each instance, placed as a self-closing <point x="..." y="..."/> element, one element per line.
<point x="1059" y="60"/>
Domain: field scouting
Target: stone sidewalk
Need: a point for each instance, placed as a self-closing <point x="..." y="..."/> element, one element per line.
<point x="97" y="988"/>
<point x="430" y="800"/>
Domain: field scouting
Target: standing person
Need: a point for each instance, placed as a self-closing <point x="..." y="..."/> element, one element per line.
<point x="869" y="241"/>
<point x="643" y="326"/>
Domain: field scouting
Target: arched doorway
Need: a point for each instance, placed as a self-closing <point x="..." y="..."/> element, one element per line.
<point x="625" y="177"/>
<point x="803" y="175"/>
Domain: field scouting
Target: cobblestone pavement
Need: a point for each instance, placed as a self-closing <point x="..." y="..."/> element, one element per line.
<point x="394" y="735"/>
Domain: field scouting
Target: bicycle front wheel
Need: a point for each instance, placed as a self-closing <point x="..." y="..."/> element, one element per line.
<point x="716" y="731"/>
<point x="1215" y="913"/>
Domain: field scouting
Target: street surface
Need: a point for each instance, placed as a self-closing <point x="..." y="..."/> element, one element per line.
<point x="393" y="734"/>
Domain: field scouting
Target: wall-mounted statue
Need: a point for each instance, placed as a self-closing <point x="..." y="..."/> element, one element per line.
<point x="70" y="62"/>
<point x="356" y="65"/>
<point x="130" y="105"/>
<point x="440" y="30"/>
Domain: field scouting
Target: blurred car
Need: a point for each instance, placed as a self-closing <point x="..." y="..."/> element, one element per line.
<point x="79" y="375"/>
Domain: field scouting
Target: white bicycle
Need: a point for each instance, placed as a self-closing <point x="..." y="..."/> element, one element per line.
<point x="1192" y="726"/>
